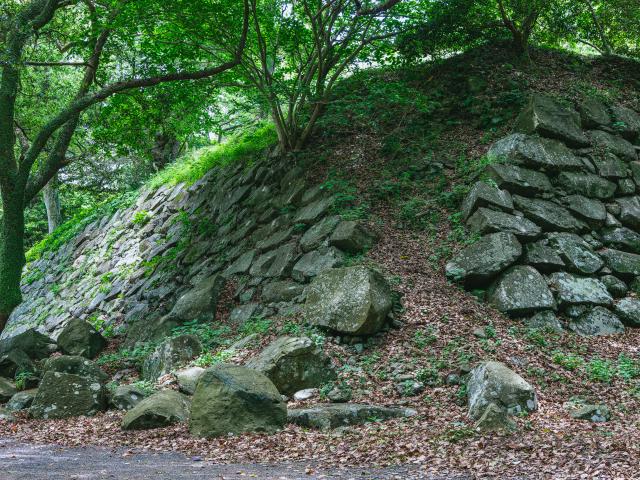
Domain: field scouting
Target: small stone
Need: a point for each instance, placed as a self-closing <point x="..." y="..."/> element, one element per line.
<point x="593" y="413"/>
<point x="81" y="338"/>
<point x="593" y="113"/>
<point x="630" y="211"/>
<point x="339" y="395"/>
<point x="542" y="257"/>
<point x="127" y="397"/>
<point x="628" y="309"/>
<point x="306" y="394"/>
<point x="352" y="237"/>
<point x="485" y="195"/>
<point x="622" y="238"/>
<point x="613" y="144"/>
<point x="544" y="320"/>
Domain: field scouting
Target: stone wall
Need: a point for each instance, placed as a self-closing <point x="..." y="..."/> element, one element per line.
<point x="558" y="212"/>
<point x="166" y="258"/>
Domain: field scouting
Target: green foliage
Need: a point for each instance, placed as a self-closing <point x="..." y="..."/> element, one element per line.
<point x="141" y="218"/>
<point x="127" y="357"/>
<point x="258" y="325"/>
<point x="22" y="378"/>
<point x="569" y="361"/>
<point x="147" y="387"/>
<point x="209" y="359"/>
<point x="209" y="336"/>
<point x="424" y="337"/>
<point x="599" y="370"/>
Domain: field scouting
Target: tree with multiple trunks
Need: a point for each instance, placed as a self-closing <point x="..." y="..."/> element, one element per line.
<point x="113" y="46"/>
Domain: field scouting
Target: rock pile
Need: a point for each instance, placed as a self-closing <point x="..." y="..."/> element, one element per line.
<point x="559" y="218"/>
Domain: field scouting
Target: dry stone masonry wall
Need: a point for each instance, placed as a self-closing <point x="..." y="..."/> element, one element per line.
<point x="558" y="211"/>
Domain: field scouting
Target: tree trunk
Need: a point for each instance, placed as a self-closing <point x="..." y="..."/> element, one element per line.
<point x="52" y="204"/>
<point x="165" y="150"/>
<point x="12" y="258"/>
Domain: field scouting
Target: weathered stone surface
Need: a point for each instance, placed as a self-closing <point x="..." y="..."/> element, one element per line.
<point x="613" y="144"/>
<point x="352" y="237"/>
<point x="495" y="419"/>
<point x="200" y="303"/>
<point x="484" y="259"/>
<point x="621" y="238"/>
<point x="317" y="261"/>
<point x="7" y="390"/>
<point x="544" y="320"/>
<point x="243" y="313"/>
<point x="314" y="211"/>
<point x="593" y="413"/>
<point x="169" y="355"/>
<point x="548" y="215"/>
<point x="626" y="186"/>
<point x="126" y="397"/>
<point x="534" y="152"/>
<point x="352" y="300"/>
<point x="230" y="399"/>
<point x="317" y="234"/>
<point x="36" y="345"/>
<point x="575" y="253"/>
<point x="188" y="379"/>
<point x="275" y="263"/>
<point x="81" y="338"/>
<point x="628" y="310"/>
<point x="519" y="180"/>
<point x="588" y="209"/>
<point x="593" y="113"/>
<point x="329" y="416"/>
<point x="282" y="291"/>
<point x="575" y="290"/>
<point x="616" y="287"/>
<point x="587" y="184"/>
<point x="521" y="290"/>
<point x="76" y="365"/>
<point x="543" y="257"/>
<point x="630" y="211"/>
<point x="621" y="263"/>
<point x="609" y="165"/>
<point x="6" y="415"/>
<point x="159" y="410"/>
<point x="627" y="121"/>
<point x="292" y="364"/>
<point x="63" y="395"/>
<point x="15" y="362"/>
<point x="545" y="116"/>
<point x="485" y="195"/>
<point x="494" y="382"/>
<point x="490" y="221"/>
<point x="598" y="321"/>
<point x="21" y="400"/>
<point x="242" y="264"/>
<point x="274" y="240"/>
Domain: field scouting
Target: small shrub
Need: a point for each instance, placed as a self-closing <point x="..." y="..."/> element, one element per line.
<point x="599" y="370"/>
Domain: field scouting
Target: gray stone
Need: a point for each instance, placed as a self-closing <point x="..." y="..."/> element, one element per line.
<point x="621" y="263"/>
<point x="159" y="410"/>
<point x="521" y="290"/>
<point x="292" y="364"/>
<point x="534" y="152"/>
<point x="545" y="116"/>
<point x="62" y="395"/>
<point x="489" y="221"/>
<point x="630" y="211"/>
<point x="188" y="379"/>
<point x="14" y="363"/>
<point x="242" y="264"/>
<point x="626" y="186"/>
<point x="593" y="113"/>
<point x="330" y="416"/>
<point x="274" y="240"/>
<point x="352" y="237"/>
<point x="76" y="365"/>
<point x="587" y="184"/>
<point x="282" y="291"/>
<point x="353" y="300"/>
<point x="495" y="419"/>
<point x="494" y="382"/>
<point x="588" y="209"/>
<point x="126" y="397"/>
<point x="200" y="303"/>
<point x="485" y="195"/>
<point x="230" y="399"/>
<point x="616" y="287"/>
<point x="36" y="345"/>
<point x="575" y="253"/>
<point x="169" y="355"/>
<point x="314" y="211"/>
<point x="317" y="261"/>
<point x="243" y="313"/>
<point x="21" y="400"/>
<point x="598" y="321"/>
<point x="544" y="320"/>
<point x="613" y="144"/>
<point x="609" y="166"/>
<point x="621" y="238"/>
<point x="81" y="338"/>
<point x="593" y="413"/>
<point x="314" y="237"/>
<point x="7" y="390"/>
<point x="541" y="256"/>
<point x="483" y="260"/>
<point x="574" y="290"/>
<point x="627" y="121"/>
<point x="519" y="180"/>
<point x="550" y="216"/>
<point x="275" y="263"/>
<point x="628" y="310"/>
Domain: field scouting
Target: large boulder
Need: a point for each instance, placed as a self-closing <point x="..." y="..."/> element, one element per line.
<point x="15" y="362"/>
<point x="630" y="211"/>
<point x="7" y="390"/>
<point x="534" y="152"/>
<point x="169" y="355"/>
<point x="549" y="215"/>
<point x="36" y="345"/>
<point x="613" y="144"/>
<point x="593" y="113"/>
<point x="494" y="383"/>
<point x="200" y="303"/>
<point x="587" y="184"/>
<point x="327" y="417"/>
<point x="230" y="399"/>
<point x="574" y="290"/>
<point x="543" y="257"/>
<point x="352" y="300"/>
<point x="318" y="233"/>
<point x="590" y="210"/>
<point x="76" y="365"/>
<point x="598" y="321"/>
<point x="490" y="221"/>
<point x="62" y="395"/>
<point x="352" y="237"/>
<point x="627" y="121"/>
<point x="483" y="260"/>
<point x="293" y="364"/>
<point x="521" y="290"/>
<point x="628" y="310"/>
<point x="621" y="238"/>
<point x="159" y="410"/>
<point x="21" y="400"/>
<point x="188" y="378"/>
<point x="316" y="261"/>
<point x="575" y="253"/>
<point x="519" y="180"/>
<point x="484" y="195"/>
<point x="281" y="291"/>
<point x="81" y="338"/>
<point x="546" y="117"/>
<point x="622" y="263"/>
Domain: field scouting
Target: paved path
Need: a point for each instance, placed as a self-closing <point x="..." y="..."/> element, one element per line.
<point x="22" y="461"/>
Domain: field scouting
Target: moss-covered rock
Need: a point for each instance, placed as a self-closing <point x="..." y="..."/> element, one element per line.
<point x="81" y="338"/>
<point x="169" y="355"/>
<point x="63" y="395"/>
<point x="75" y="365"/>
<point x="7" y="390"/>
<point x="159" y="410"/>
